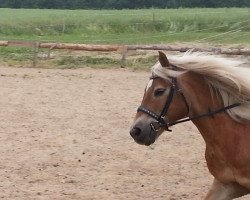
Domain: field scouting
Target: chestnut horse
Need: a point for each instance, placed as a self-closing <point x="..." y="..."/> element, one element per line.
<point x="213" y="93"/>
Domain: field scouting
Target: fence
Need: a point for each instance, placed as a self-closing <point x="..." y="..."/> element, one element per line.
<point x="122" y="49"/>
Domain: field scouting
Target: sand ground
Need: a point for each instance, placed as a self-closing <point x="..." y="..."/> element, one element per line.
<point x="65" y="135"/>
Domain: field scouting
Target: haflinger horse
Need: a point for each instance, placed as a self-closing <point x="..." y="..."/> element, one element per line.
<point x="212" y="92"/>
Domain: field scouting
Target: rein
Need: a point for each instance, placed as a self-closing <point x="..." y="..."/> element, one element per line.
<point x="208" y="114"/>
<point x="162" y="120"/>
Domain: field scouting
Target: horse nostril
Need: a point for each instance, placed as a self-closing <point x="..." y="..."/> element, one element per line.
<point x="135" y="132"/>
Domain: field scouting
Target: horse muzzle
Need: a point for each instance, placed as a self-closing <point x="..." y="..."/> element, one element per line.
<point x="145" y="133"/>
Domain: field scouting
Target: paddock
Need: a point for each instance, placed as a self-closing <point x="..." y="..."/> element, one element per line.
<point x="65" y="135"/>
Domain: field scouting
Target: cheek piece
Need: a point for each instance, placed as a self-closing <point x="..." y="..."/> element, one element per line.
<point x="161" y="120"/>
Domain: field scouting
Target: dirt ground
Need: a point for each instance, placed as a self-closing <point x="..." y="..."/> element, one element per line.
<point x="65" y="135"/>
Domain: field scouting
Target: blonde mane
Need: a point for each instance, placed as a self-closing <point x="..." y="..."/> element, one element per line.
<point x="230" y="78"/>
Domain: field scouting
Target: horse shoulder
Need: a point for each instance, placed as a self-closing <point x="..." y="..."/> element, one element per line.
<point x="229" y="159"/>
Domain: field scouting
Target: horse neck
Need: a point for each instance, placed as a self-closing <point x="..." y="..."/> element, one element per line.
<point x="202" y="100"/>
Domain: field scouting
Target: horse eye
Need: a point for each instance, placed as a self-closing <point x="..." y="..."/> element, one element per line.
<point x="159" y="92"/>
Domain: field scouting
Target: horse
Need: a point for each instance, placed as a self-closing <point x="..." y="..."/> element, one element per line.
<point x="213" y="92"/>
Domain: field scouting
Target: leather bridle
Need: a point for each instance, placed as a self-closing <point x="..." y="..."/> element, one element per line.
<point x="162" y="119"/>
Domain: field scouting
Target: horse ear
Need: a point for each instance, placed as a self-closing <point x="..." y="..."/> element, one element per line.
<point x="163" y="59"/>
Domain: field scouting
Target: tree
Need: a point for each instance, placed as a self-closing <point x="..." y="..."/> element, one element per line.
<point x="121" y="4"/>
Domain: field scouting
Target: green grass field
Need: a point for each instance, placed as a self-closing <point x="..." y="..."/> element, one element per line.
<point x="146" y="26"/>
<point x="127" y="26"/>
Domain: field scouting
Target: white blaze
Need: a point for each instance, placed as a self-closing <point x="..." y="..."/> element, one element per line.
<point x="149" y="85"/>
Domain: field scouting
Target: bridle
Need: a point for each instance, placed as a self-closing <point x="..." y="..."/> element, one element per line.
<point x="162" y="119"/>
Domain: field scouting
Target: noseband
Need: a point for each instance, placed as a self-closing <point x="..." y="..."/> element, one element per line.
<point x="163" y="121"/>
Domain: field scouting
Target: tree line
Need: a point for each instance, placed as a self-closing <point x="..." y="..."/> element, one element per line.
<point x="121" y="4"/>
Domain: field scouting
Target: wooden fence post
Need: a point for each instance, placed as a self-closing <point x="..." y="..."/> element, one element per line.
<point x="63" y="29"/>
<point x="124" y="52"/>
<point x="49" y="51"/>
<point x="35" y="52"/>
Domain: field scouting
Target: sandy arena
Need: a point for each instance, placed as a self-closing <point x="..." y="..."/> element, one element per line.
<point x="65" y="135"/>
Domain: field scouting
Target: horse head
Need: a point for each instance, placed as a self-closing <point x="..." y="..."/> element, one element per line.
<point x="163" y="102"/>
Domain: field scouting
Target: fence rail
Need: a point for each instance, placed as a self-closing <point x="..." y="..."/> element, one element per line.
<point x="122" y="49"/>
